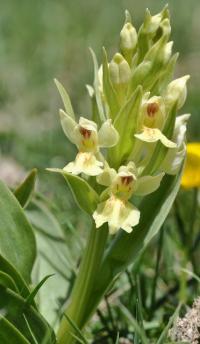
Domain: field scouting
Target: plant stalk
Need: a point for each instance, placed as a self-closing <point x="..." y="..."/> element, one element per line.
<point x="81" y="294"/>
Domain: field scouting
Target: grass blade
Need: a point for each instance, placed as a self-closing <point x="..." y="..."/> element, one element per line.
<point x="75" y="327"/>
<point x="164" y="334"/>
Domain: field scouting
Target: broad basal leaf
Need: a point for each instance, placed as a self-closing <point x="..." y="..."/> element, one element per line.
<point x="17" y="241"/>
<point x="25" y="318"/>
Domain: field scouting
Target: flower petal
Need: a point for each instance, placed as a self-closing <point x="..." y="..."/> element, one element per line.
<point x="147" y="184"/>
<point x="68" y="125"/>
<point x="174" y="157"/>
<point x="85" y="163"/>
<point x="180" y="129"/>
<point x="166" y="142"/>
<point x="154" y="135"/>
<point x="191" y="175"/>
<point x="108" y="135"/>
<point x="173" y="160"/>
<point x="87" y="124"/>
<point x="129" y="169"/>
<point x="118" y="214"/>
<point x="107" y="176"/>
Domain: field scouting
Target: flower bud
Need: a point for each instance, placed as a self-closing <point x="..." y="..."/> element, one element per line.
<point x="119" y="70"/>
<point x="152" y="23"/>
<point x="176" y="92"/>
<point x="167" y="52"/>
<point x="128" y="39"/>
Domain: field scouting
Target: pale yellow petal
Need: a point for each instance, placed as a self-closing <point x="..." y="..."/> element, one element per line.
<point x="118" y="214"/>
<point x="129" y="169"/>
<point x="107" y="135"/>
<point x="173" y="160"/>
<point x="147" y="184"/>
<point x="166" y="142"/>
<point x="87" y="124"/>
<point x="107" y="176"/>
<point x="68" y="126"/>
<point x="154" y="135"/>
<point x="85" y="163"/>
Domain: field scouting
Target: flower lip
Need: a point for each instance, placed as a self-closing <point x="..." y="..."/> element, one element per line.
<point x="152" y="108"/>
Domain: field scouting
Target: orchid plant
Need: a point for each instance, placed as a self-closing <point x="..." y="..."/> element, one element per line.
<point x="129" y="147"/>
<point x="129" y="161"/>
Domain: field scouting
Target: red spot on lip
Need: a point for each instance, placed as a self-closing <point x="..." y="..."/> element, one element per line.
<point x="126" y="180"/>
<point x="152" y="108"/>
<point x="85" y="132"/>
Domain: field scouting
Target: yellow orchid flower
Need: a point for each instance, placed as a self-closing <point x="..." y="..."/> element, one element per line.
<point x="116" y="209"/>
<point x="152" y="121"/>
<point x="191" y="175"/>
<point x="88" y="139"/>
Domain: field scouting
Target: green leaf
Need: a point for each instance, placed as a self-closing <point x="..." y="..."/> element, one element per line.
<point x="191" y="274"/>
<point x="24" y="191"/>
<point x="163" y="337"/>
<point x="95" y="111"/>
<point x="84" y="195"/>
<point x="126" y="125"/>
<point x="33" y="294"/>
<point x="17" y="243"/>
<point x="54" y="257"/>
<point x="117" y="339"/>
<point x="100" y="108"/>
<point x="7" y="281"/>
<point x="65" y="98"/>
<point x="165" y="77"/>
<point x="75" y="327"/>
<point x="9" y="334"/>
<point x="8" y="269"/>
<point x="19" y="313"/>
<point x="137" y="329"/>
<point x="111" y="96"/>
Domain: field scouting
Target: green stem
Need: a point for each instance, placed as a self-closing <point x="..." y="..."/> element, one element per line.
<point x="77" y="310"/>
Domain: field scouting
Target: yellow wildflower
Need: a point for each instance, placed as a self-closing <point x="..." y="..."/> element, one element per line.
<point x="191" y="175"/>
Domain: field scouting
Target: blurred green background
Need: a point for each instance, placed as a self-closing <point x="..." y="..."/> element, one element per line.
<point x="43" y="39"/>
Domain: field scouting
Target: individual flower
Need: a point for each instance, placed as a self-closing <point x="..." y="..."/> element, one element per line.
<point x="151" y="122"/>
<point x="115" y="207"/>
<point x="88" y="140"/>
<point x="176" y="92"/>
<point x="191" y="175"/>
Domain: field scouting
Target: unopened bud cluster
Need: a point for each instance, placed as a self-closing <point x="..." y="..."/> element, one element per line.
<point x="134" y="135"/>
